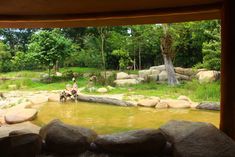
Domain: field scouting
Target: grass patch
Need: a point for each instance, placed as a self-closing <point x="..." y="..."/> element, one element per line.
<point x="193" y="89"/>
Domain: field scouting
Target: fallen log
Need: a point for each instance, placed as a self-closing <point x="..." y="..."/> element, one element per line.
<point x="105" y="100"/>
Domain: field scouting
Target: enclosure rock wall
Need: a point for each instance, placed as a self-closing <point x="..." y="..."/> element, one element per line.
<point x="158" y="73"/>
<point x="174" y="139"/>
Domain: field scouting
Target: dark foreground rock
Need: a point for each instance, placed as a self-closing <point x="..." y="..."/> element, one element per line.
<point x="209" y="106"/>
<point x="61" y="138"/>
<point x="93" y="154"/>
<point x="196" y="139"/>
<point x="25" y="145"/>
<point x="132" y="142"/>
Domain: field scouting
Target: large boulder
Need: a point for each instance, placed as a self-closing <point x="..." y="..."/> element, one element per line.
<point x="173" y="103"/>
<point x="208" y="76"/>
<point x="24" y="145"/>
<point x="209" y="106"/>
<point x="153" y="77"/>
<point x="38" y="99"/>
<point x="21" y="115"/>
<point x="185" y="71"/>
<point x="148" y="102"/>
<point x="163" y="76"/>
<point x="61" y="138"/>
<point x="132" y="142"/>
<point x="122" y="75"/>
<point x="159" y="67"/>
<point x="182" y="77"/>
<point x="124" y="82"/>
<point x="197" y="139"/>
<point x="155" y="72"/>
<point x="144" y="73"/>
<point x="7" y="129"/>
<point x="185" y="98"/>
<point x="133" y="76"/>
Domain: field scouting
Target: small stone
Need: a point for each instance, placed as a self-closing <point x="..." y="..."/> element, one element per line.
<point x="148" y="102"/>
<point x="102" y="90"/>
<point x="172" y="103"/>
<point x="161" y="105"/>
<point x="59" y="74"/>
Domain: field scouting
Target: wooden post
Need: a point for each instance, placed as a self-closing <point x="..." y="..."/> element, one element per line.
<point x="227" y="117"/>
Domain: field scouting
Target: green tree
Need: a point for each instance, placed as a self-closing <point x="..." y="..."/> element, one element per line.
<point x="25" y="61"/>
<point x="212" y="49"/>
<point x="50" y="47"/>
<point x="5" y="56"/>
<point x="124" y="58"/>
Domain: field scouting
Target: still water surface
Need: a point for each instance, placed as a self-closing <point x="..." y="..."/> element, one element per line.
<point x="109" y="119"/>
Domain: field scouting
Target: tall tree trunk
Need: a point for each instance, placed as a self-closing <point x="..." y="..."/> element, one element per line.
<point x="56" y="66"/>
<point x="139" y="57"/>
<point x="102" y="52"/>
<point x="167" y="53"/>
<point x="102" y="33"/>
<point x="172" y="80"/>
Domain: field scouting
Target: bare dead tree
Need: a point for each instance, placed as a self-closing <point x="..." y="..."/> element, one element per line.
<point x="168" y="54"/>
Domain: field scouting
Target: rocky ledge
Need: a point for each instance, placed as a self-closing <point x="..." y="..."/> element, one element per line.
<point x="174" y="139"/>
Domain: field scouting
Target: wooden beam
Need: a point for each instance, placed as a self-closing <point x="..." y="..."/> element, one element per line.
<point x="227" y="119"/>
<point x="164" y="15"/>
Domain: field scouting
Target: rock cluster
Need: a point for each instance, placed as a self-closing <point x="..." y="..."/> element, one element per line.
<point x="181" y="102"/>
<point x="123" y="79"/>
<point x="176" y="138"/>
<point x="158" y="73"/>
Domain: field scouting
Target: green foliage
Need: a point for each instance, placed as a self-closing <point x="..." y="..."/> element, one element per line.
<point x="211" y="49"/>
<point x="25" y="61"/>
<point x="5" y="56"/>
<point x="50" y="47"/>
<point x="124" y="58"/>
<point x="188" y="39"/>
<point x="195" y="43"/>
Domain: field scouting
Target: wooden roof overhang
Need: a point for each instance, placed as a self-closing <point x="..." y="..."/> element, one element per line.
<point x="81" y="13"/>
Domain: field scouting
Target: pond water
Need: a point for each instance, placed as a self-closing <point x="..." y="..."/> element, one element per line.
<point x="109" y="119"/>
